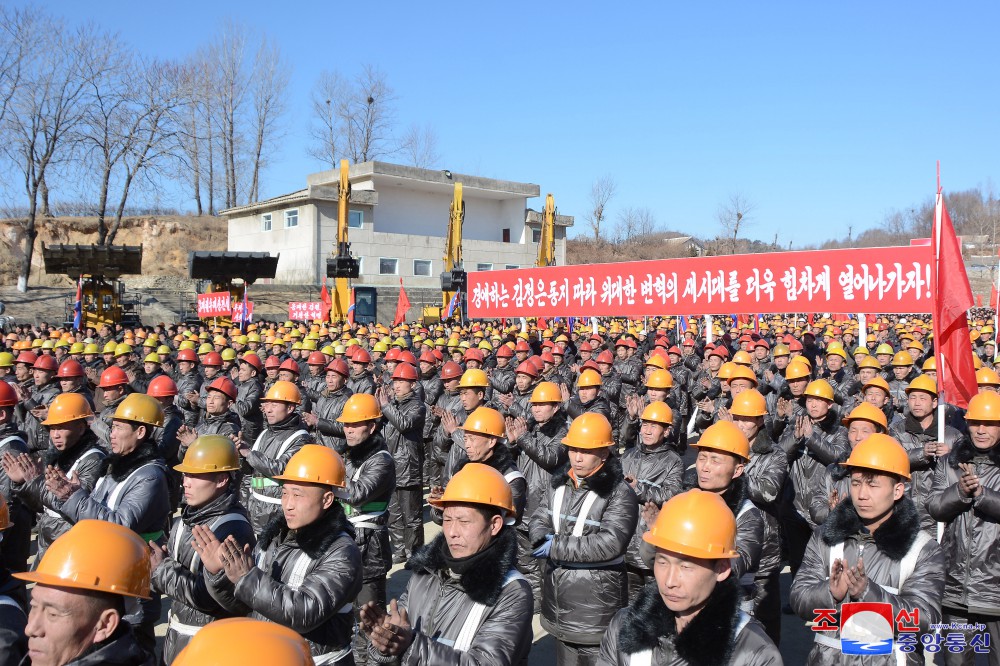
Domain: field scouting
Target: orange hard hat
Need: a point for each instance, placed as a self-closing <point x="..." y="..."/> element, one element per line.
<point x="984" y="407"/>
<point x="879" y="382"/>
<point x="315" y="463"/>
<point x="695" y="523"/>
<point x="742" y="358"/>
<point x="742" y="372"/>
<point x="881" y="453"/>
<point x="867" y="412"/>
<point x="282" y="391"/>
<point x="485" y="421"/>
<point x="546" y="392"/>
<point x="162" y="386"/>
<point x="725" y="436"/>
<point x="96" y="556"/>
<point x="797" y="370"/>
<point x="67" y="407"/>
<point x="590" y="431"/>
<point x="658" y="412"/>
<point x="660" y="379"/>
<point x="237" y="641"/>
<point x="477" y="483"/>
<point x="360" y="407"/>
<point x="749" y="403"/>
<point x="820" y="388"/>
<point x="589" y="379"/>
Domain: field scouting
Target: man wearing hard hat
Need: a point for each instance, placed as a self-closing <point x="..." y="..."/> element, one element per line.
<point x="238" y="641"/>
<point x="210" y="472"/>
<point x="466" y="601"/>
<point x="871" y="549"/>
<point x="82" y="586"/>
<point x="691" y="613"/>
<point x="306" y="568"/>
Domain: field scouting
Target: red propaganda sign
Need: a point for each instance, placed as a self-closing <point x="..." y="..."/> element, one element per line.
<point x="886" y="279"/>
<point x="216" y="304"/>
<point x="305" y="310"/>
<point x="238" y="312"/>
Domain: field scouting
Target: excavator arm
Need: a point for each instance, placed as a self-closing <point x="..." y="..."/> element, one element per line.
<point x="547" y="242"/>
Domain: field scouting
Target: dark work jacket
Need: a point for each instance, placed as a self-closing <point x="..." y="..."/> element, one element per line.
<point x="403" y="431"/>
<point x="371" y="478"/>
<point x="328" y="409"/>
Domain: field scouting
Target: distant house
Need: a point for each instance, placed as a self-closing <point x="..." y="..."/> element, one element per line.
<point x="688" y="245"/>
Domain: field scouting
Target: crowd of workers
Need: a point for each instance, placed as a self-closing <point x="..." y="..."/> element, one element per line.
<point x="264" y="482"/>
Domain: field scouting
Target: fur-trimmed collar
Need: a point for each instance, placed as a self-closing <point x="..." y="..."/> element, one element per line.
<point x="964" y="451"/>
<point x="602" y="482"/>
<point x="893" y="538"/>
<point x="501" y="459"/>
<point x="734" y="495"/>
<point x="913" y="427"/>
<point x="314" y="539"/>
<point x="484" y="583"/>
<point x="708" y="640"/>
<point x="360" y="453"/>
<point x="119" y="467"/>
<point x="762" y="443"/>
<point x="65" y="459"/>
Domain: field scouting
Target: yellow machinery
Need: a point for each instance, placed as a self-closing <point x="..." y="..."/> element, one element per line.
<point x="453" y="279"/>
<point x="221" y="268"/>
<point x="547" y="242"/>
<point x="342" y="266"/>
<point x="98" y="269"/>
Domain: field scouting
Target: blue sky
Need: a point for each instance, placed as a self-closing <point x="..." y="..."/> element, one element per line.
<point x="823" y="114"/>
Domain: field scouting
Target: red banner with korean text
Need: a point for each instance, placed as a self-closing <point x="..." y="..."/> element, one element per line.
<point x="215" y="304"/>
<point x="238" y="311"/>
<point x="886" y="279"/>
<point x="305" y="310"/>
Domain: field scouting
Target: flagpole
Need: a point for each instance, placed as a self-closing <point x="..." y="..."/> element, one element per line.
<point x="939" y="349"/>
<point x="862" y="330"/>
<point x="708" y="329"/>
<point x="996" y="312"/>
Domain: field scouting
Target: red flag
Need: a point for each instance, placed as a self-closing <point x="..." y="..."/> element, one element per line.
<point x="541" y="323"/>
<point x="810" y="318"/>
<point x="952" y="298"/>
<point x="324" y="296"/>
<point x="350" y="310"/>
<point x="993" y="298"/>
<point x="402" y="306"/>
<point x="979" y="301"/>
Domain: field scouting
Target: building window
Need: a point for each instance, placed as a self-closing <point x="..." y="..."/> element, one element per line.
<point x="506" y="235"/>
<point x="361" y="265"/>
<point x="265" y="222"/>
<point x="536" y="235"/>
<point x="484" y="267"/>
<point x="355" y="219"/>
<point x="388" y="266"/>
<point x="291" y="218"/>
<point x="511" y="267"/>
<point x="422" y="267"/>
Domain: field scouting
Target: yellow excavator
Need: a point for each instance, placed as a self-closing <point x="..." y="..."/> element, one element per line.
<point x="342" y="266"/>
<point x="547" y="241"/>
<point x="453" y="279"/>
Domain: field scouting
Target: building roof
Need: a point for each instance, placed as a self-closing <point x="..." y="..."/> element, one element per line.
<point x="534" y="217"/>
<point x="280" y="200"/>
<point x="428" y="179"/>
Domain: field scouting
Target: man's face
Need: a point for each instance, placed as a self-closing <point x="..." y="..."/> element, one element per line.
<point x="522" y="381"/>
<point x="760" y="353"/>
<point x="621" y="351"/>
<point x="859" y="431"/>
<point x="470" y="398"/>
<point x="216" y="402"/>
<point x="817" y="408"/>
<point x="304" y="503"/>
<point x="473" y="364"/>
<point x="900" y="371"/>
<point x="287" y="376"/>
<point x="212" y="371"/>
<point x="716" y="469"/>
<point x="655" y="394"/>
<point x="876" y="396"/>
<point x="984" y="434"/>
<point x="873" y="494"/>
<point x="200" y="489"/>
<point x="246" y="372"/>
<point x="315" y="370"/>
<point x="866" y="374"/>
<point x="544" y="411"/>
<point x="69" y="384"/>
<point x="466" y="531"/>
<point x="714" y="363"/>
<point x="685" y="583"/>
<point x="65" y="435"/>
<point x="451" y="385"/>
<point x="276" y="412"/>
<point x="62" y="625"/>
<point x="922" y="404"/>
<point x="425" y="367"/>
<point x="781" y="362"/>
<point x="41" y="377"/>
<point x="401" y="388"/>
<point x="737" y="386"/>
<point x="478" y="446"/>
<point x="652" y="433"/>
<point x="185" y="367"/>
<point x="884" y="359"/>
<point x="122" y="360"/>
<point x="502" y="361"/>
<point x="151" y="368"/>
<point x="798" y="386"/>
<point x="587" y="393"/>
<point x="749" y="425"/>
<point x="357" y="433"/>
<point x="272" y="373"/>
<point x="586" y="461"/>
<point x="22" y="371"/>
<point x="834" y="362"/>
<point x="125" y="437"/>
<point x="334" y="381"/>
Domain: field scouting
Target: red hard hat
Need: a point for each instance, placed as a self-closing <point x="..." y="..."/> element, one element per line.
<point x="795" y="345"/>
<point x="592" y="364"/>
<point x="316" y="358"/>
<point x="26" y="357"/>
<point x="438" y="355"/>
<point x="522" y="346"/>
<point x="537" y="362"/>
<point x="675" y="350"/>
<point x="8" y="397"/>
<point x="405" y="371"/>
<point x="339" y="366"/>
<point x="253" y="360"/>
<point x="187" y="355"/>
<point x="113" y="376"/>
<point x="504" y="351"/>
<point x="361" y="356"/>
<point x="225" y="386"/>
<point x="212" y="359"/>
<point x="558" y="350"/>
<point x="605" y="357"/>
<point x="290" y="365"/>
<point x="70" y="368"/>
<point x="272" y="362"/>
<point x="451" y="370"/>
<point x="45" y="363"/>
<point x="162" y="386"/>
<point x="527" y="368"/>
<point x="427" y="357"/>
<point x="392" y="354"/>
<point x="547" y="357"/>
<point x="474" y="355"/>
<point x="406" y="356"/>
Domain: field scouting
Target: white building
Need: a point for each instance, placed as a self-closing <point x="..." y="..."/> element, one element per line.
<point x="398" y="223"/>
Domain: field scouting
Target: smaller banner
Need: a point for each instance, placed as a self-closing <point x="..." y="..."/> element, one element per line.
<point x="238" y="312"/>
<point x="305" y="310"/>
<point x="216" y="304"/>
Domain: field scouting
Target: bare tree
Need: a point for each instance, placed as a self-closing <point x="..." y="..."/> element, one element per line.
<point x="735" y="215"/>
<point x="634" y="223"/>
<point x="45" y="110"/>
<point x="232" y="85"/>
<point x="419" y="147"/>
<point x="16" y="31"/>
<point x="368" y="114"/>
<point x="325" y="128"/>
<point x="601" y="192"/>
<point x="269" y="86"/>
